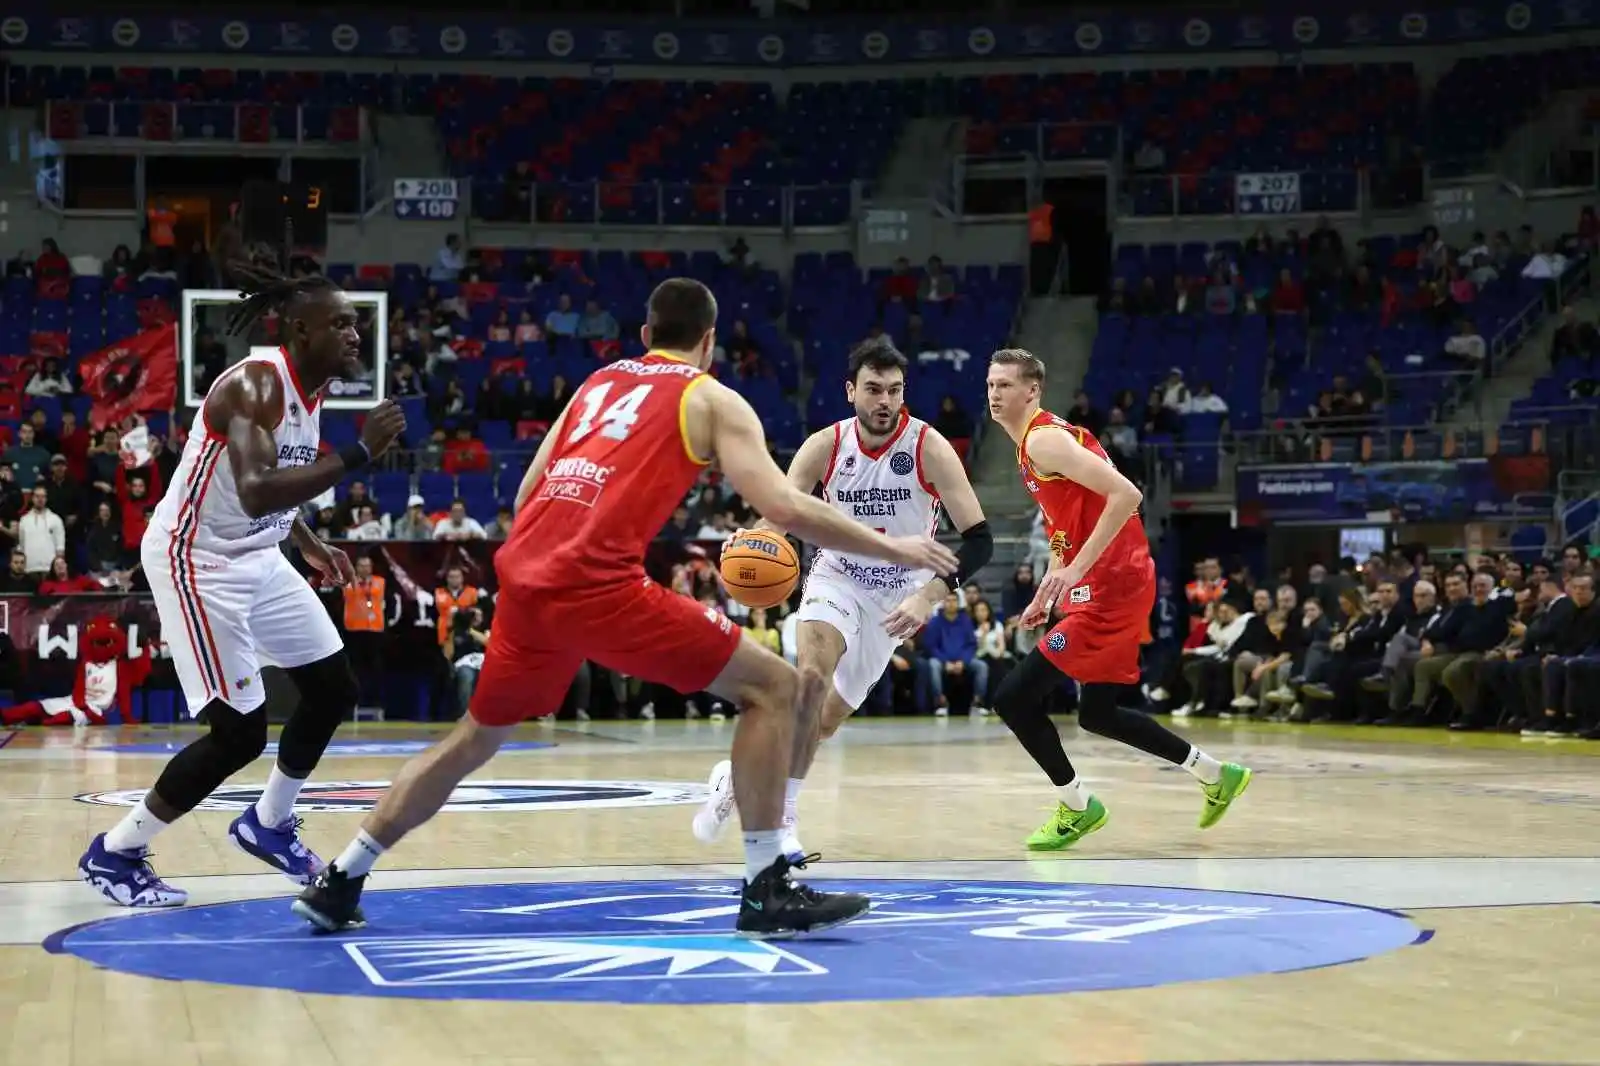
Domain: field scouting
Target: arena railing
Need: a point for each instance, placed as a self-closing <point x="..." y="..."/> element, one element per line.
<point x="115" y="109"/>
<point x="669" y="204"/>
<point x="1567" y="434"/>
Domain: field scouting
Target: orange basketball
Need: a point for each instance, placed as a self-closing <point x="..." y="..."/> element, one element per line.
<point x="760" y="569"/>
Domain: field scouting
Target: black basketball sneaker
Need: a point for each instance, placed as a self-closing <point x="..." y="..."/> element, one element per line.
<point x="332" y="903"/>
<point x="773" y="906"/>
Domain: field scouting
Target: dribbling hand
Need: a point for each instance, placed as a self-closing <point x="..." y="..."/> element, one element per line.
<point x="383" y="426"/>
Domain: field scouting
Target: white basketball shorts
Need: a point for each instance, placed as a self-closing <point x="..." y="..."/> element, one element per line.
<point x="224" y="617"/>
<point x="839" y="603"/>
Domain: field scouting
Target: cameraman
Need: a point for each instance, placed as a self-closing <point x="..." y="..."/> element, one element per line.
<point x="469" y="635"/>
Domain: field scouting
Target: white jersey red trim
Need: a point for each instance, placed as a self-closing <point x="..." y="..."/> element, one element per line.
<point x="885" y="488"/>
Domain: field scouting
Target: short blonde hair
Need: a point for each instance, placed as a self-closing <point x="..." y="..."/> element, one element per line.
<point x="1029" y="366"/>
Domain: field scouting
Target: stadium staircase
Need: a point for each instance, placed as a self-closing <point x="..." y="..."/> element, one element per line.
<point x="925" y="149"/>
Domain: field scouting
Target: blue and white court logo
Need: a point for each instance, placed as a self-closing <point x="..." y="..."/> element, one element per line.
<point x="346" y="749"/>
<point x="665" y="942"/>
<point x="349" y="797"/>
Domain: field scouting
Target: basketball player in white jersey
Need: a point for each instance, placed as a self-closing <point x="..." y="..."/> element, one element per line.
<point x="893" y="472"/>
<point x="228" y="597"/>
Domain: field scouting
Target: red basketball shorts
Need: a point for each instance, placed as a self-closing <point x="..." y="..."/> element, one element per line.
<point x="1105" y="624"/>
<point x="540" y="637"/>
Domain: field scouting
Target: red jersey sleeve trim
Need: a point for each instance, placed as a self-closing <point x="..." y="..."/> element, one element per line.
<point x="833" y="457"/>
<point x="922" y="435"/>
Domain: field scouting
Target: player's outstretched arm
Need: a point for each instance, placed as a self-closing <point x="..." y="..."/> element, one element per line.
<point x="541" y="459"/>
<point x="246" y="409"/>
<point x="1053" y="451"/>
<point x="807" y="469"/>
<point x="942" y="469"/>
<point x="725" y="426"/>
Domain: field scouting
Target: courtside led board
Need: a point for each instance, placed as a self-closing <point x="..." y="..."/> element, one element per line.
<point x="204" y="310"/>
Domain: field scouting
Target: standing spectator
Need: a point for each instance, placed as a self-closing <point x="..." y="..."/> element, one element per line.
<point x="49" y="380"/>
<point x="73" y="442"/>
<point x="951" y="644"/>
<point x="138" y="497"/>
<point x="449" y="263"/>
<point x="103" y="541"/>
<point x="364" y="620"/>
<point x="65" y="495"/>
<point x="40" y="534"/>
<point x="28" y="459"/>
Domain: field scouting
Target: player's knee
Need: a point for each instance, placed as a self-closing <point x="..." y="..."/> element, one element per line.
<point x="1097" y="706"/>
<point x="813" y="688"/>
<point x="238" y="739"/>
<point x="777" y="689"/>
<point x="328" y="686"/>
<point x="833" y="716"/>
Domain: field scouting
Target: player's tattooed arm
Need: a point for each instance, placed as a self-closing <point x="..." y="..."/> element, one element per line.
<point x="244" y="411"/>
<point x="807" y="469"/>
<point x="1054" y="451"/>
<point x="541" y="459"/>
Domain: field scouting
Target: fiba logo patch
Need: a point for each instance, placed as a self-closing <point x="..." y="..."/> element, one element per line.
<point x="1057" y="642"/>
<point x="901" y="463"/>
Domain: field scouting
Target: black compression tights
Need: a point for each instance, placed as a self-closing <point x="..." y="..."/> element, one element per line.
<point x="1022" y="700"/>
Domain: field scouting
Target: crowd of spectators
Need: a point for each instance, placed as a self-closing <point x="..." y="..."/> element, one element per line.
<point x="1398" y="640"/>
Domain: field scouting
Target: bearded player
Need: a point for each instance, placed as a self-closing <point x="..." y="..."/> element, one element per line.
<point x="228" y="597"/>
<point x="886" y="469"/>
<point x="1101" y="566"/>
<point x="635" y="438"/>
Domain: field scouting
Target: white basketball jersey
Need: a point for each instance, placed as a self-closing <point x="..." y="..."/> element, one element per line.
<point x="883" y="488"/>
<point x="201" y="507"/>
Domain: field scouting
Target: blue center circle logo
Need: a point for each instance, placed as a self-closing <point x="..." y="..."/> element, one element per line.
<point x="672" y="942"/>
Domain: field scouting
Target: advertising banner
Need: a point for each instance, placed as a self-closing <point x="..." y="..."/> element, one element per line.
<point x="479" y="38"/>
<point x="1456" y="491"/>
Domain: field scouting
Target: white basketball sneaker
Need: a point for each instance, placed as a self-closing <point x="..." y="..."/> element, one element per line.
<point x="712" y="818"/>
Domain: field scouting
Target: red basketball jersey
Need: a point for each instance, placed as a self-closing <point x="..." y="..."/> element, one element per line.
<point x="1071" y="510"/>
<point x="621" y="467"/>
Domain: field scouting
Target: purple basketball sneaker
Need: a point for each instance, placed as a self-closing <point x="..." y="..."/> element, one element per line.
<point x="126" y="878"/>
<point x="278" y="846"/>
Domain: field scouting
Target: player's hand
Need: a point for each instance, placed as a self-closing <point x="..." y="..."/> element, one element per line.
<point x="912" y="614"/>
<point x="333" y="564"/>
<point x="921" y="553"/>
<point x="383" y="426"/>
<point x="1057" y="583"/>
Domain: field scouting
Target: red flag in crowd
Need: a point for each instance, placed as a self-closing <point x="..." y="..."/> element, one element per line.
<point x="133" y="376"/>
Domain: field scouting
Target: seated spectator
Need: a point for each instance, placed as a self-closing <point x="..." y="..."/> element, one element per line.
<point x="52" y="271"/>
<point x="363" y="524"/>
<point x="1451" y="653"/>
<point x="450" y="261"/>
<point x="597" y="324"/>
<point x="1288" y="295"/>
<point x="899" y="287"/>
<point x="17" y="579"/>
<point x="49" y="380"/>
<point x="446" y="405"/>
<point x="952" y="422"/>
<point x="414" y="524"/>
<point x="1207" y="666"/>
<point x="527" y="332"/>
<point x="1572" y="668"/>
<point x="950" y="643"/>
<point x="937" y="286"/>
<point x="465" y="453"/>
<point x="563" y="321"/>
<point x="60" y="582"/>
<point x="1467" y="346"/>
<point x="102" y="541"/>
<point x="500" y="328"/>
<point x="459" y="525"/>
<point x="500" y="528"/>
<point x="1205" y="401"/>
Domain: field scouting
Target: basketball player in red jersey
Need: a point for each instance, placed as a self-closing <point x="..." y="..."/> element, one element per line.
<point x="632" y="442"/>
<point x="1101" y="568"/>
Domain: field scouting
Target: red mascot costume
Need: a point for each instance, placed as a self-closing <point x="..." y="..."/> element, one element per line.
<point x="106" y="679"/>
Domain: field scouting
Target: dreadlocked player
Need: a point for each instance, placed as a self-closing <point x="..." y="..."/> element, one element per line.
<point x="228" y="596"/>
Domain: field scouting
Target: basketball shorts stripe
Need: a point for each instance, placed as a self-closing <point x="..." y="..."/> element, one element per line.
<point x="180" y="558"/>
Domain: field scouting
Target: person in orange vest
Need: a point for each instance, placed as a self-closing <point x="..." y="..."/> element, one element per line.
<point x="163" y="222"/>
<point x="1209" y="585"/>
<point x="364" y="622"/>
<point x="1043" y="248"/>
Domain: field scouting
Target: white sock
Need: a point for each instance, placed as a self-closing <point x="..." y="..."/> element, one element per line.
<point x="357" y="859"/>
<point x="791" y="800"/>
<point x="276" y="803"/>
<point x="761" y="850"/>
<point x="134" y="831"/>
<point x="1206" y="770"/>
<point x="1074" y="795"/>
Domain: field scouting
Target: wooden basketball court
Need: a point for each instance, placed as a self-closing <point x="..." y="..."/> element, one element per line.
<point x="1376" y="897"/>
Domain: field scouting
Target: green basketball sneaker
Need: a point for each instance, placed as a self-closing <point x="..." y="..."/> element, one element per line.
<point x="1066" y="826"/>
<point x="1229" y="787"/>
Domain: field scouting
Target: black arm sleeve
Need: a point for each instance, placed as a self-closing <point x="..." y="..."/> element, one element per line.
<point x="977" y="546"/>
